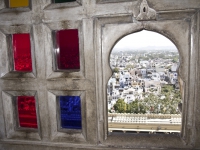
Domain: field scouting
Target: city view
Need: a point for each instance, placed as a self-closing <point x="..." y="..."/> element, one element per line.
<point x="143" y="93"/>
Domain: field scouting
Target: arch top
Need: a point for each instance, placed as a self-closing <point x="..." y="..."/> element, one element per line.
<point x="170" y="31"/>
<point x="144" y="39"/>
<point x="147" y="41"/>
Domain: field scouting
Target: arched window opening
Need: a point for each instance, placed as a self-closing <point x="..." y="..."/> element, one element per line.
<point x="143" y="93"/>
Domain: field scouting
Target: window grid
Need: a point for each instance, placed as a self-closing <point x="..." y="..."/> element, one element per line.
<point x="94" y="23"/>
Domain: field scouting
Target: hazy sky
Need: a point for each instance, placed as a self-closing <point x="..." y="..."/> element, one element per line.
<point x="143" y="40"/>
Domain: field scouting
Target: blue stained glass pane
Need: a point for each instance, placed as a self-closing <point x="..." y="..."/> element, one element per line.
<point x="70" y="111"/>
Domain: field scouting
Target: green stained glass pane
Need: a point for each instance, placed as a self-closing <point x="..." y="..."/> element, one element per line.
<point x="64" y="1"/>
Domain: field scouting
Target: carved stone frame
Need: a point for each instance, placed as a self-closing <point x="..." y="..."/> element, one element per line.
<point x="51" y="70"/>
<point x="181" y="29"/>
<point x="5" y="7"/>
<point x="7" y="65"/>
<point x="63" y="135"/>
<point x="13" y="131"/>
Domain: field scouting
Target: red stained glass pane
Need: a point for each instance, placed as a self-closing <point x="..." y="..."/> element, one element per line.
<point x="27" y="112"/>
<point x="22" y="52"/>
<point x="67" y="49"/>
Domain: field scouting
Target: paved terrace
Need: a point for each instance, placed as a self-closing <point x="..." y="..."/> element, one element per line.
<point x="152" y="123"/>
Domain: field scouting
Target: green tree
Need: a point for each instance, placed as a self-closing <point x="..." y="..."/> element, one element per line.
<point x="116" y="70"/>
<point x="152" y="103"/>
<point x="136" y="107"/>
<point x="175" y="59"/>
<point x="120" y="106"/>
<point x="171" y="100"/>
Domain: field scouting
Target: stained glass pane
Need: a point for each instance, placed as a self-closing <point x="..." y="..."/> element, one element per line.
<point x="27" y="112"/>
<point x="22" y="52"/>
<point x="63" y="1"/>
<point x="19" y="3"/>
<point x="67" y="49"/>
<point x="70" y="111"/>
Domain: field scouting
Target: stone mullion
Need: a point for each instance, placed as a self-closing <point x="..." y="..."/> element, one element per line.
<point x="197" y="98"/>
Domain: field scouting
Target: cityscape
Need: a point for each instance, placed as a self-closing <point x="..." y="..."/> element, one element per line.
<point x="144" y="83"/>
